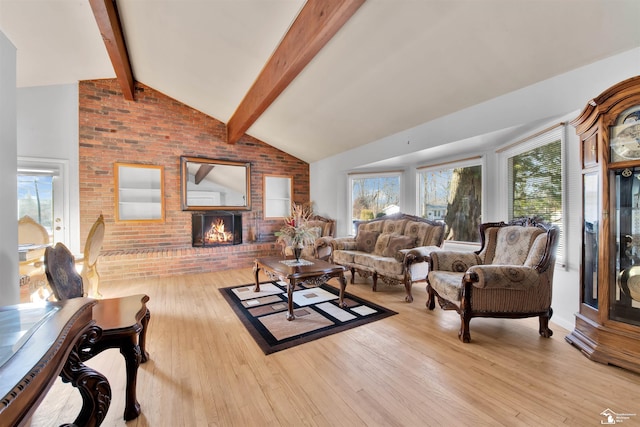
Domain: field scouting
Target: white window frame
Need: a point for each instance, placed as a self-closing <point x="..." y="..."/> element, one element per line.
<point x="461" y="163"/>
<point x="59" y="168"/>
<point x="538" y="139"/>
<point x="366" y="175"/>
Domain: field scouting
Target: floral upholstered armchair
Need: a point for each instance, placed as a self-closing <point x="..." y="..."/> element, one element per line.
<point x="511" y="275"/>
<point x="325" y="228"/>
<point x="310" y="233"/>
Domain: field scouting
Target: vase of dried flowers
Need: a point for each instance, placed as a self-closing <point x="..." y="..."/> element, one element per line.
<point x="295" y="232"/>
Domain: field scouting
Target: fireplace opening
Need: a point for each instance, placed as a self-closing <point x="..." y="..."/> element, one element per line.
<point x="216" y="229"/>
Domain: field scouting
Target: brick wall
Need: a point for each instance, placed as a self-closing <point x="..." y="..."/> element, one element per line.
<point x="156" y="129"/>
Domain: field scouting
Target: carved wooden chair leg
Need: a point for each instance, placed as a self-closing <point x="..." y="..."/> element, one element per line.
<point x="544" y="324"/>
<point x="353" y="275"/>
<point x="407" y="287"/>
<point x="91" y="279"/>
<point x="374" y="287"/>
<point x="464" y="334"/>
<point x="431" y="300"/>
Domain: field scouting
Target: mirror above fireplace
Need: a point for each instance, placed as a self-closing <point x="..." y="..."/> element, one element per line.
<point x="209" y="184"/>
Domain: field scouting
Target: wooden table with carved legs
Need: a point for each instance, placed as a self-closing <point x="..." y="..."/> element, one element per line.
<point x="313" y="272"/>
<point x="40" y="342"/>
<point x="124" y="323"/>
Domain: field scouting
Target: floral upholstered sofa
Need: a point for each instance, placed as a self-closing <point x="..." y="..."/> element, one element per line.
<point x="394" y="248"/>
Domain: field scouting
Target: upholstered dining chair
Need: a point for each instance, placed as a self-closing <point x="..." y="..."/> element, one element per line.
<point x="123" y="320"/>
<point x="31" y="267"/>
<point x="511" y="276"/>
<point x="61" y="273"/>
<point x="30" y="232"/>
<point x="89" y="260"/>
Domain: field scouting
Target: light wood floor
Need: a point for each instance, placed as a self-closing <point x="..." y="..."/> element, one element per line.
<point x="407" y="370"/>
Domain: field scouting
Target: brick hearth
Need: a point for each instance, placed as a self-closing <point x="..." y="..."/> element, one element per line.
<point x="149" y="263"/>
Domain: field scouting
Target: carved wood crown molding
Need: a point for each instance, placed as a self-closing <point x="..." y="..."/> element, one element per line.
<point x="617" y="97"/>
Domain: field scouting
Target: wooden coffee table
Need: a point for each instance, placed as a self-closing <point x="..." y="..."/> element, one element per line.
<point x="308" y="271"/>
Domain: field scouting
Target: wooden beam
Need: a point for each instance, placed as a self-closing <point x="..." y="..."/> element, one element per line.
<point x="202" y="173"/>
<point x="316" y="24"/>
<point x="108" y="21"/>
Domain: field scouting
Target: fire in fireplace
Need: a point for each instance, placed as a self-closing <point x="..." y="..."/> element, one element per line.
<point x="215" y="229"/>
<point x="216" y="233"/>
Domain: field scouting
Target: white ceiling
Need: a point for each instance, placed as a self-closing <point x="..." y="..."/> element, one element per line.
<point x="394" y="65"/>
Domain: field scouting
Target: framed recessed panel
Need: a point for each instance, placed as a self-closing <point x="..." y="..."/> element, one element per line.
<point x="278" y="194"/>
<point x="139" y="192"/>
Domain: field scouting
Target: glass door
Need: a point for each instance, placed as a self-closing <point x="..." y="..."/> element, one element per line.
<point x="41" y="195"/>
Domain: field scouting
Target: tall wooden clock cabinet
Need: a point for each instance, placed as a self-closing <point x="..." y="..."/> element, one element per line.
<point x="607" y="328"/>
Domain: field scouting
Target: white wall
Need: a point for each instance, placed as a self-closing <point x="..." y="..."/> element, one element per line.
<point x="561" y="96"/>
<point x="9" y="279"/>
<point x="48" y="128"/>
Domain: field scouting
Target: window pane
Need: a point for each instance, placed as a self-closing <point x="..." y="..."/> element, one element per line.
<point x="536" y="183"/>
<point x="535" y="186"/>
<point x="453" y="196"/>
<point x="533" y="175"/>
<point x="35" y="198"/>
<point x="374" y="196"/>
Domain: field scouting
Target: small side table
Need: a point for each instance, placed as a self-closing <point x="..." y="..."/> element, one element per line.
<point x="124" y="326"/>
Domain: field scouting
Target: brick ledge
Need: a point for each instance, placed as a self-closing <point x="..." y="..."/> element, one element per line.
<point x="185" y="250"/>
<point x="144" y="263"/>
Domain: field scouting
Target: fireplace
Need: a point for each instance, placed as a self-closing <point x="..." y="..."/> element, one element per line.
<point x="216" y="229"/>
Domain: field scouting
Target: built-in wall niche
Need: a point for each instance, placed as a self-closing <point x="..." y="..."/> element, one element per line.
<point x="139" y="192"/>
<point x="278" y="194"/>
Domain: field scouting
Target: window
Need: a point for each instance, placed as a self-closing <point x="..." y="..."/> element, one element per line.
<point x="534" y="171"/>
<point x="374" y="195"/>
<point x="452" y="194"/>
<point x="35" y="198"/>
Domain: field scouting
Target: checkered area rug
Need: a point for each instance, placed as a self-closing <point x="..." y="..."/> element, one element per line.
<point x="316" y="311"/>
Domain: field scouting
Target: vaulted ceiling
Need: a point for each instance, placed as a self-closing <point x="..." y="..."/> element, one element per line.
<point x="394" y="64"/>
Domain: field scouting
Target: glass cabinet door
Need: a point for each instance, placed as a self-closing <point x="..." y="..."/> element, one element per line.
<point x="624" y="294"/>
<point x="590" y="249"/>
